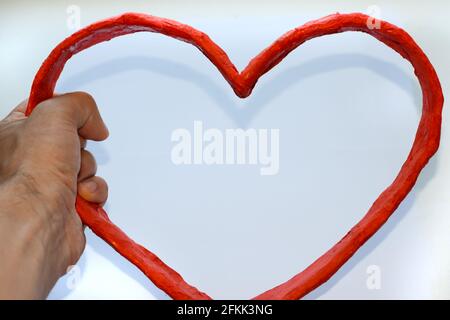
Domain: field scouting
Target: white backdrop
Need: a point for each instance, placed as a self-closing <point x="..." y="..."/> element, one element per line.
<point x="346" y="106"/>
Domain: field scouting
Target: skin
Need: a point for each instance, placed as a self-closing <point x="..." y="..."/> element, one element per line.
<point x="43" y="164"/>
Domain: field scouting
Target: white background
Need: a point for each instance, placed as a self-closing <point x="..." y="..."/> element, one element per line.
<point x="347" y="108"/>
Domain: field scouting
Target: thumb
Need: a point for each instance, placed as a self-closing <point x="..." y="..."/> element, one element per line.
<point x="78" y="109"/>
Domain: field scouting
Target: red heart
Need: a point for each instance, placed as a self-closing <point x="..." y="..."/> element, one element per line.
<point x="425" y="144"/>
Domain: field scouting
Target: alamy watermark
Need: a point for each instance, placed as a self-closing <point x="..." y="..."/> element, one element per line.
<point x="227" y="147"/>
<point x="73" y="277"/>
<point x="373" y="281"/>
<point x="73" y="21"/>
<point x="374" y="20"/>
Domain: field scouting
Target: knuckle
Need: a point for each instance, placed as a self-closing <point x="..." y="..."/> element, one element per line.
<point x="86" y="99"/>
<point x="88" y="160"/>
<point x="87" y="154"/>
<point x="103" y="183"/>
<point x="44" y="107"/>
<point x="50" y="109"/>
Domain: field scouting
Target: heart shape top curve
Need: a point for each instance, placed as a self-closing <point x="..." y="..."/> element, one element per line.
<point x="425" y="144"/>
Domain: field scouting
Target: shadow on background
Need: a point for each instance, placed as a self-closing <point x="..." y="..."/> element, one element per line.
<point x="264" y="92"/>
<point x="267" y="90"/>
<point x="427" y="174"/>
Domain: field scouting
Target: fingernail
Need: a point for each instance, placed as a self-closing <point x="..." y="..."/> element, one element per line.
<point x="90" y="186"/>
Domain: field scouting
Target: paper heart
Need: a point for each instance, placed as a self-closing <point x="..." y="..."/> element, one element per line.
<point x="425" y="144"/>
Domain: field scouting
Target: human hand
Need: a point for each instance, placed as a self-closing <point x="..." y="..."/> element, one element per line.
<point x="43" y="165"/>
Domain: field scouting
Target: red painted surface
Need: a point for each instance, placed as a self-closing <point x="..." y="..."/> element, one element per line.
<point x="425" y="144"/>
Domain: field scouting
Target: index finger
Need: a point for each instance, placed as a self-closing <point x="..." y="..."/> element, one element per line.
<point x="78" y="109"/>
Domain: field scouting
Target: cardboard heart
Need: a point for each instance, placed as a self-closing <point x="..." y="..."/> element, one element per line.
<point x="425" y="144"/>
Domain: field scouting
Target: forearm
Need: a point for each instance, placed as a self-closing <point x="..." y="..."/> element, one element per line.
<point x="25" y="272"/>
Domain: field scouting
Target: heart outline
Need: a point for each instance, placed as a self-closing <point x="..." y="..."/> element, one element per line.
<point x="425" y="143"/>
